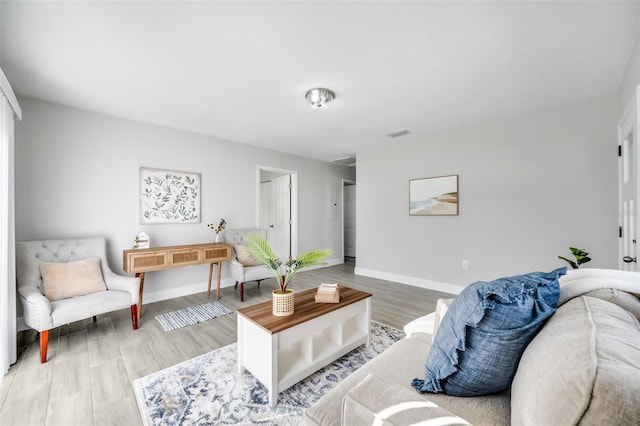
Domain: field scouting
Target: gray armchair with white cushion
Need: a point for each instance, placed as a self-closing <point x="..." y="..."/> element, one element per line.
<point x="243" y="268"/>
<point x="62" y="281"/>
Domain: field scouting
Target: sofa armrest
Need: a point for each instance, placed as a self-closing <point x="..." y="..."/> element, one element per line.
<point x="37" y="308"/>
<point x="117" y="282"/>
<point x="428" y="324"/>
<point x="420" y="325"/>
<point x="375" y="401"/>
<point x="442" y="306"/>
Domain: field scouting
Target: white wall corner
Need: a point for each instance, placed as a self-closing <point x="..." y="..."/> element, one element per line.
<point x="416" y="282"/>
<point x="21" y="325"/>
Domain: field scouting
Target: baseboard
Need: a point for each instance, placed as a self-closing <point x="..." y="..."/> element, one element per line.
<point x="416" y="282"/>
<point x="334" y="261"/>
<point x="172" y="293"/>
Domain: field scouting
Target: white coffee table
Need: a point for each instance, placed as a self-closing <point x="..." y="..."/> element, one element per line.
<point x="281" y="351"/>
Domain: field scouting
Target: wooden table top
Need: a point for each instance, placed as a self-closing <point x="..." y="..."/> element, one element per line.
<point x="305" y="309"/>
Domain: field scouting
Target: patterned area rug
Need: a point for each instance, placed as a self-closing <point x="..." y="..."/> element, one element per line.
<point x="192" y="315"/>
<point x="208" y="389"/>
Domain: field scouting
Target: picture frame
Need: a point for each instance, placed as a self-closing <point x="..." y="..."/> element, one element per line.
<point x="169" y="196"/>
<point x="434" y="196"/>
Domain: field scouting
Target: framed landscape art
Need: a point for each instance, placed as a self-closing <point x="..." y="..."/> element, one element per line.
<point x="167" y="196"/>
<point x="436" y="196"/>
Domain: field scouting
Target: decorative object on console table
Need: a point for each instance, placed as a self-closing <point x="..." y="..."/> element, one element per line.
<point x="283" y="271"/>
<point x="139" y="261"/>
<point x="328" y="293"/>
<point x="437" y="196"/>
<point x="218" y="229"/>
<point x="141" y="241"/>
<point x="168" y="196"/>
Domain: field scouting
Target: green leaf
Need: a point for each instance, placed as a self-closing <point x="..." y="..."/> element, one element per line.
<point x="260" y="250"/>
<point x="570" y="262"/>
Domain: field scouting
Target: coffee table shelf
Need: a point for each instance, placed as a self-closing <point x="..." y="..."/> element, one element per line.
<point x="280" y="356"/>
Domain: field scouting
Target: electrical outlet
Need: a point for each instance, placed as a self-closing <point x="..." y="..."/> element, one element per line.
<point x="465" y="264"/>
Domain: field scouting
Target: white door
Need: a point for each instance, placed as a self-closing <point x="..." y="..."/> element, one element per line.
<point x="280" y="216"/>
<point x="628" y="188"/>
<point x="350" y="220"/>
<point x="265" y="197"/>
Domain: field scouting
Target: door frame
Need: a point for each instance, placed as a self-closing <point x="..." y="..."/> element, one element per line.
<point x="632" y="106"/>
<point x="294" y="202"/>
<point x="344" y="183"/>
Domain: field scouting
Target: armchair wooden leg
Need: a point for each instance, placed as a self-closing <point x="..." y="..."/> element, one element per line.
<point x="242" y="292"/>
<point x="134" y="316"/>
<point x="44" y="343"/>
<point x="236" y="286"/>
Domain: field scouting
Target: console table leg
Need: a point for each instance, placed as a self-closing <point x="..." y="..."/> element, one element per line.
<point x="209" y="282"/>
<point x="141" y="276"/>
<point x="218" y="284"/>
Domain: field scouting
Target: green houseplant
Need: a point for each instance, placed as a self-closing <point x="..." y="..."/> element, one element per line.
<point x="282" y="270"/>
<point x="580" y="255"/>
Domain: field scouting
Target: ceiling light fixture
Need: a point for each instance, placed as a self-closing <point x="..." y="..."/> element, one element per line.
<point x="319" y="97"/>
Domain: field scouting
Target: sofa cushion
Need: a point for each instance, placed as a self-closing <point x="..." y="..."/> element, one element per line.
<point x="62" y="280"/>
<point x="398" y="365"/>
<point x="583" y="367"/>
<point x="375" y="401"/>
<point x="244" y="257"/>
<point x="626" y="301"/>
<point x="484" y="332"/>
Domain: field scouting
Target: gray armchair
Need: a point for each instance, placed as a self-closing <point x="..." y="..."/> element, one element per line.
<point x="240" y="273"/>
<point x="43" y="314"/>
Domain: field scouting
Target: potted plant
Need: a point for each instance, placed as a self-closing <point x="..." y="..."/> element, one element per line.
<point x="580" y="255"/>
<point x="283" y="271"/>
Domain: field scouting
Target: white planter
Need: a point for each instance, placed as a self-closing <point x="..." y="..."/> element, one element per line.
<point x="282" y="303"/>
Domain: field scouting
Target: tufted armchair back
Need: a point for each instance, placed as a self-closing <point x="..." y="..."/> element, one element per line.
<point x="236" y="236"/>
<point x="29" y="254"/>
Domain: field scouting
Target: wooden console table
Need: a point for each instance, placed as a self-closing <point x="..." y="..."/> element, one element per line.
<point x="139" y="261"/>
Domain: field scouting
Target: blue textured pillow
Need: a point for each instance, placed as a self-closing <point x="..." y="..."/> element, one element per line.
<point x="485" y="331"/>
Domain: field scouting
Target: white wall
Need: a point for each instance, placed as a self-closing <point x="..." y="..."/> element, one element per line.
<point x="630" y="79"/>
<point x="530" y="187"/>
<point x="631" y="76"/>
<point x="77" y="174"/>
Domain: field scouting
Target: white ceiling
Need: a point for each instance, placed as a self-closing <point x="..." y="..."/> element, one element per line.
<point x="239" y="70"/>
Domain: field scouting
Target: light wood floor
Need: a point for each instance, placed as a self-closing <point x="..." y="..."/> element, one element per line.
<point x="87" y="379"/>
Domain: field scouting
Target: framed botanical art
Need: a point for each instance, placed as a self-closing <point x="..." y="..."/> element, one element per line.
<point x="168" y="196"/>
<point x="436" y="196"/>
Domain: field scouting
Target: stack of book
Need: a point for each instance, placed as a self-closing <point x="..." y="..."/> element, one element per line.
<point x="328" y="293"/>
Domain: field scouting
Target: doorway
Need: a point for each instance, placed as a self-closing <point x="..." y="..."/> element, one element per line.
<point x="348" y="219"/>
<point x="278" y="209"/>
<point x="628" y="160"/>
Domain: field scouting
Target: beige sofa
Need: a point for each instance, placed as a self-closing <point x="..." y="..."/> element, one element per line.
<point x="583" y="367"/>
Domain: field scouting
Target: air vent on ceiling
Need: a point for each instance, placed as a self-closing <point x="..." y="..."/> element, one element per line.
<point x="399" y="133"/>
<point x="346" y="161"/>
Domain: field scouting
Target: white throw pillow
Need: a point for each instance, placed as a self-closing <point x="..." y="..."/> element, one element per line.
<point x="62" y="280"/>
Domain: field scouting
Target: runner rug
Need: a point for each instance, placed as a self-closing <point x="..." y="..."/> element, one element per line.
<point x="192" y="315"/>
<point x="208" y="390"/>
